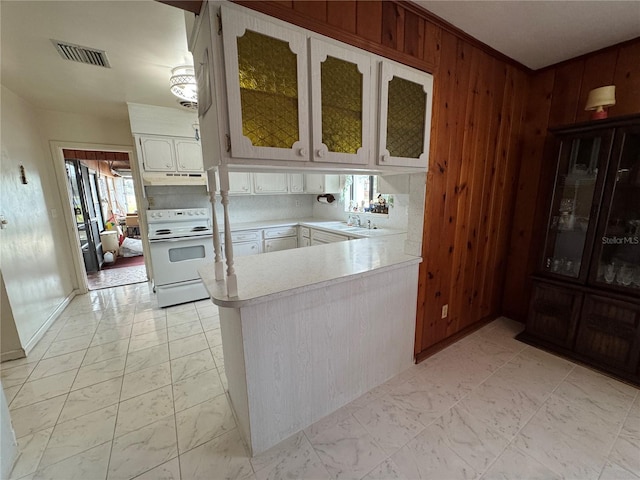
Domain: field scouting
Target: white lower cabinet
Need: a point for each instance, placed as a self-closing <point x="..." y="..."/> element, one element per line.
<point x="319" y="237"/>
<point x="275" y="244"/>
<point x="243" y="249"/>
<point x="245" y="242"/>
<point x="280" y="238"/>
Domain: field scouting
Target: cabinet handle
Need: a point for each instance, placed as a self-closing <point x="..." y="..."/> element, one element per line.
<point x="320" y="153"/>
<point x="258" y="188"/>
<point x="169" y="165"/>
<point x="302" y="152"/>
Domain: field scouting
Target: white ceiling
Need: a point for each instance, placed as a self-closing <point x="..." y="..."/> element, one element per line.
<point x="540" y="33"/>
<point x="144" y="39"/>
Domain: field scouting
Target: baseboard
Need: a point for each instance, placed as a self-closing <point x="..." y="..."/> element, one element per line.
<point x="12" y="355"/>
<point x="442" y="344"/>
<point x="33" y="341"/>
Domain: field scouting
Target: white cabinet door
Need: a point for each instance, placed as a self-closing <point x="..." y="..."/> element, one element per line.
<point x="267" y="88"/>
<point x="270" y="183"/>
<point x="275" y="244"/>
<point x="340" y="104"/>
<point x="304" y="242"/>
<point x="405" y="116"/>
<point x="188" y="155"/>
<point x="239" y="183"/>
<point x="158" y="154"/>
<point x="296" y="183"/>
<point x="243" y="249"/>
<point x="319" y="183"/>
<point x="320" y="236"/>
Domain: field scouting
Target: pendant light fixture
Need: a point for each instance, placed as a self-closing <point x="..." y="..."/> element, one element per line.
<point x="183" y="83"/>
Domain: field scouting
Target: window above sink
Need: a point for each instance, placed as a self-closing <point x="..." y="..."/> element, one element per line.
<point x="361" y="196"/>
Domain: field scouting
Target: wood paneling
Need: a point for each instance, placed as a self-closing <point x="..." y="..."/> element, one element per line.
<point x="556" y="97"/>
<point x="369" y="20"/>
<point x="566" y="92"/>
<point x="627" y="81"/>
<point x="342" y="14"/>
<point x="474" y="159"/>
<point x="316" y="9"/>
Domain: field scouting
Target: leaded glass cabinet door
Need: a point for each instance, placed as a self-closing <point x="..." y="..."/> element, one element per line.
<point x="340" y="104"/>
<point x="617" y="252"/>
<point x="579" y="178"/>
<point x="267" y="88"/>
<point x="405" y="116"/>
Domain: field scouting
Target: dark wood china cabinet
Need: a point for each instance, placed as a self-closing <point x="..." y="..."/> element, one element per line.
<point x="586" y="291"/>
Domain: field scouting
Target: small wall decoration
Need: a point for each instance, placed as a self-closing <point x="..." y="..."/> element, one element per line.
<point x="23" y="175"/>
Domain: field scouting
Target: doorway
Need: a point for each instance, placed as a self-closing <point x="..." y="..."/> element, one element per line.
<point x="105" y="207"/>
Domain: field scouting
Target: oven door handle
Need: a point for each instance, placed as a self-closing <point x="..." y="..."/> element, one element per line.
<point x="181" y="239"/>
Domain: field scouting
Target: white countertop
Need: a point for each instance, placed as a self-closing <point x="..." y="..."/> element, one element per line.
<point x="287" y="272"/>
<point x="334" y="226"/>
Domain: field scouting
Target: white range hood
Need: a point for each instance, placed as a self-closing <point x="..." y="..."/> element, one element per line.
<point x="172" y="178"/>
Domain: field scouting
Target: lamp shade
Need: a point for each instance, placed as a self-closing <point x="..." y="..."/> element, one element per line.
<point x="601" y="97"/>
<point x="183" y="83"/>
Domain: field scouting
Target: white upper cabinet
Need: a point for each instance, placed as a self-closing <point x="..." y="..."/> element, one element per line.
<point x="170" y="154"/>
<point x="340" y="104"/>
<point x="296" y="182"/>
<point x="270" y="183"/>
<point x="320" y="183"/>
<point x="405" y="116"/>
<point x="158" y="154"/>
<point x="188" y="155"/>
<point x="267" y="88"/>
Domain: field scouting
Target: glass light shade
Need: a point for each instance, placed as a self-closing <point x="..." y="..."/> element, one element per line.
<point x="183" y="83"/>
<point x="601" y="97"/>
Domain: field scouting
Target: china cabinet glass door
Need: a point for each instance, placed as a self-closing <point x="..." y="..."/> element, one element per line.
<point x="617" y="249"/>
<point x="340" y="104"/>
<point x="579" y="176"/>
<point x="266" y="73"/>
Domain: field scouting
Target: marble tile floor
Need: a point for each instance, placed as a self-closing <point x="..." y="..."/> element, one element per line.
<point x="120" y="389"/>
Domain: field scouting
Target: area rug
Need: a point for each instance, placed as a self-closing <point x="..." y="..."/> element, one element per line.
<point x="116" y="277"/>
<point x="124" y="262"/>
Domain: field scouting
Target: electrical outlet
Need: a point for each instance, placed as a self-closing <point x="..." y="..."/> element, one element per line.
<point x="297" y="203"/>
<point x="445" y="310"/>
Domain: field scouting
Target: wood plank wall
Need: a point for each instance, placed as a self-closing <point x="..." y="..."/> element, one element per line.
<point x="557" y="96"/>
<point x="474" y="155"/>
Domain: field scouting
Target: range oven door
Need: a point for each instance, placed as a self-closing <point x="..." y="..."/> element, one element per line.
<point x="178" y="259"/>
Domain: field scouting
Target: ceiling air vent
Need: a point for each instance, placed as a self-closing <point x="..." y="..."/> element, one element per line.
<point x="78" y="53"/>
<point x="188" y="105"/>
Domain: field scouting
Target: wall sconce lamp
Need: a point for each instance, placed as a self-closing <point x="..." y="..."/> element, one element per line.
<point x="599" y="99"/>
<point x="183" y="83"/>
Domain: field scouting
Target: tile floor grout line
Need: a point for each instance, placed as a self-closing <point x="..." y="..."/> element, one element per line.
<point x="621" y="427"/>
<point x="115" y="423"/>
<point x="62" y="409"/>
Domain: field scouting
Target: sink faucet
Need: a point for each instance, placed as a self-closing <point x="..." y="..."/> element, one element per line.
<point x="357" y="220"/>
<point x="369" y="224"/>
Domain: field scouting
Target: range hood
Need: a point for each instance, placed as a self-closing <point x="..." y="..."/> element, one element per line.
<point x="172" y="178"/>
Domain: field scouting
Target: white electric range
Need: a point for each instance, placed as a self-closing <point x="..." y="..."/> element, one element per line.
<point x="181" y="242"/>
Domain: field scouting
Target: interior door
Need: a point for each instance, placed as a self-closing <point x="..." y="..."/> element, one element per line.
<point x="85" y="202"/>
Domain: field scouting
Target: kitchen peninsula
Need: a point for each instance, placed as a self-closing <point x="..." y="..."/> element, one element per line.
<point x="312" y="329"/>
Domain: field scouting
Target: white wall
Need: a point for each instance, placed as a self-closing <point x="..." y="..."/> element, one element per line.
<point x="34" y="251"/>
<point x="74" y="127"/>
<point x="8" y="444"/>
<point x="10" y="346"/>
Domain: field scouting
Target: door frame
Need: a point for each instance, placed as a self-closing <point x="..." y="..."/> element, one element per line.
<point x="81" y="283"/>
